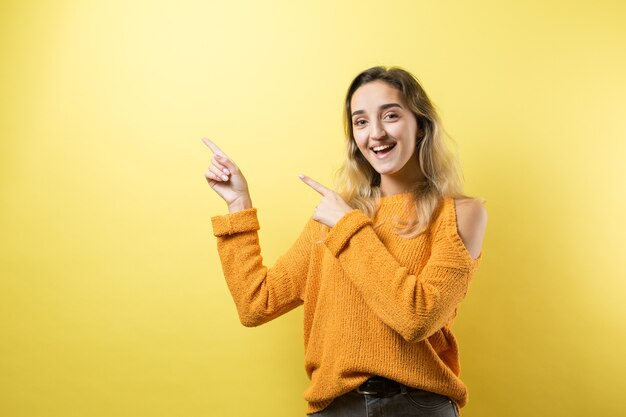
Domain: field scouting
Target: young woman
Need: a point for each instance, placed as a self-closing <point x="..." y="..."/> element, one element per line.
<point x="381" y="266"/>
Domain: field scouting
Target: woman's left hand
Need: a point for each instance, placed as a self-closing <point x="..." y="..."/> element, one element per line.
<point x="331" y="208"/>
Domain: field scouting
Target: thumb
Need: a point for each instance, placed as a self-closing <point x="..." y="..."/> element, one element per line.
<point x="226" y="161"/>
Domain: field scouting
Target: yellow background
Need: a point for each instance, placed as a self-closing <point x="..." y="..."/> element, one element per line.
<point x="112" y="299"/>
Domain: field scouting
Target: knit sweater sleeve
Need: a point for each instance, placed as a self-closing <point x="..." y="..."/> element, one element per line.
<point x="414" y="305"/>
<point x="261" y="293"/>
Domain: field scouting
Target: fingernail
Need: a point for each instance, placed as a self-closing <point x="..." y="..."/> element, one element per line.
<point x="224" y="177"/>
<point x="301" y="176"/>
<point x="226" y="171"/>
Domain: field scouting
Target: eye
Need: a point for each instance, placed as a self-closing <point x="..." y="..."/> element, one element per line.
<point x="358" y="122"/>
<point x="391" y="115"/>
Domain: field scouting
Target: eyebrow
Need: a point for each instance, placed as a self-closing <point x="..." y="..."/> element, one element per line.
<point x="383" y="107"/>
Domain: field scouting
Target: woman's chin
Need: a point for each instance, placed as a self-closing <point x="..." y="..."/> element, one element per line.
<point x="381" y="168"/>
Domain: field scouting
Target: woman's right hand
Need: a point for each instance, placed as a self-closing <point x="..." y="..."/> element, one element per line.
<point x="226" y="179"/>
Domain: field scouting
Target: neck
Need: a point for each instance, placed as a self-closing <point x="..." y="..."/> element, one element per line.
<point x="400" y="182"/>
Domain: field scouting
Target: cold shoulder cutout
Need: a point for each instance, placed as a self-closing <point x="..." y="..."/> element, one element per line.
<point x="470" y="225"/>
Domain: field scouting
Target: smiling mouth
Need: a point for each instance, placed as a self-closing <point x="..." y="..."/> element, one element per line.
<point x="382" y="150"/>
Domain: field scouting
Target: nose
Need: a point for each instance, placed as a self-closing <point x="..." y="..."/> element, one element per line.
<point x="377" y="132"/>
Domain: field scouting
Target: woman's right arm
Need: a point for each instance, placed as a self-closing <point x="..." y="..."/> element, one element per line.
<point x="260" y="293"/>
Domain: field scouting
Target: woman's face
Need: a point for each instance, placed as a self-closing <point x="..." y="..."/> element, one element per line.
<point x="385" y="130"/>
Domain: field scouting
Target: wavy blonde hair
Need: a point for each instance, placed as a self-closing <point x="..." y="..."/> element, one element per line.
<point x="357" y="181"/>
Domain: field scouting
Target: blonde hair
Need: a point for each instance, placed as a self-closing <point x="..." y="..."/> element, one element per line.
<point x="359" y="184"/>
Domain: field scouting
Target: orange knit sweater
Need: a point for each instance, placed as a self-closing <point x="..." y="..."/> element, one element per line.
<point x="374" y="302"/>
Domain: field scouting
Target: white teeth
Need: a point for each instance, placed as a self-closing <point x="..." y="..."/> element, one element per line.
<point x="381" y="147"/>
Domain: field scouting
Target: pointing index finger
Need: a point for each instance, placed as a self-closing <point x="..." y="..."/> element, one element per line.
<point x="213" y="147"/>
<point x="314" y="184"/>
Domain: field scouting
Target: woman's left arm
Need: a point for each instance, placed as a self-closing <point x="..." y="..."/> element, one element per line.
<point x="415" y="305"/>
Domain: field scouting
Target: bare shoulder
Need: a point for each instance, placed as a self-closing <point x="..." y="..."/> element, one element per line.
<point x="471" y="219"/>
